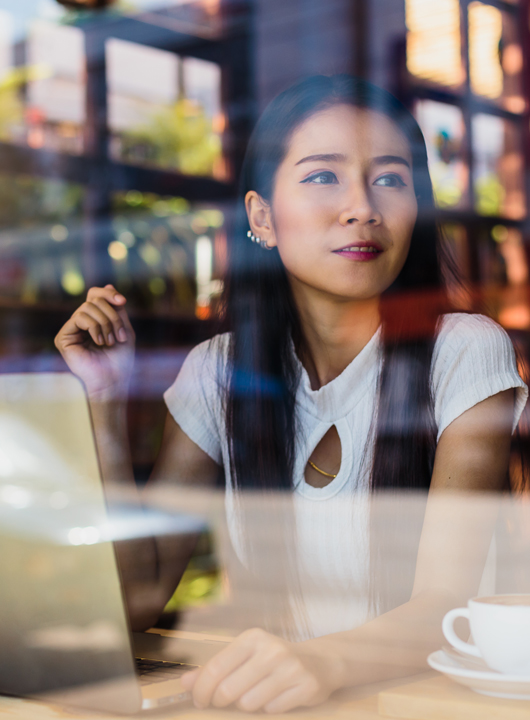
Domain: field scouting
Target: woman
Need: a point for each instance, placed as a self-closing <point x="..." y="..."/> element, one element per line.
<point x="323" y="387"/>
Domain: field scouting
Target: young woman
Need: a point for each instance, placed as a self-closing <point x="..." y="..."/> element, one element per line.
<point x="322" y="387"/>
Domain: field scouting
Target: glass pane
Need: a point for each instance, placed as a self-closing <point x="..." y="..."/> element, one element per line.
<point x="443" y="128"/>
<point x="514" y="310"/>
<point x="433" y="41"/>
<point x="167" y="254"/>
<point x="42" y="86"/>
<point x="40" y="240"/>
<point x="497" y="167"/>
<point x="165" y="110"/>
<point x="495" y="56"/>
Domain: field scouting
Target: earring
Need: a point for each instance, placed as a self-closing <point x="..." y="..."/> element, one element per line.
<point x="261" y="243"/>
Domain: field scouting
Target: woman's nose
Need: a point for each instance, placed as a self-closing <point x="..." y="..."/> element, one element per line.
<point x="360" y="210"/>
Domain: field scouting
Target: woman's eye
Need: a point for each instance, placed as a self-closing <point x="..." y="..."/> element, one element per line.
<point x="322" y="178"/>
<point x="390" y="181"/>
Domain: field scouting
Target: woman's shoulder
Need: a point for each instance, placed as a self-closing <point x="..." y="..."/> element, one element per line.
<point x="471" y="321"/>
<point x="467" y="342"/>
<point x="473" y="359"/>
<point x="459" y="329"/>
<point x="212" y="350"/>
<point x="204" y="365"/>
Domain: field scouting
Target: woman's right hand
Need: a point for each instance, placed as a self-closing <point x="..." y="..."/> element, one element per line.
<point x="97" y="344"/>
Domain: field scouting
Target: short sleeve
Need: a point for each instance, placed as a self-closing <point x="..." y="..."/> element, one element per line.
<point x="473" y="359"/>
<point x="195" y="398"/>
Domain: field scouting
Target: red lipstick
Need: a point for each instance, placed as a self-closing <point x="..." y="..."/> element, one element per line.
<point x="363" y="251"/>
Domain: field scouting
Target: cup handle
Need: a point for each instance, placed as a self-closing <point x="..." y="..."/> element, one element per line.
<point x="451" y="636"/>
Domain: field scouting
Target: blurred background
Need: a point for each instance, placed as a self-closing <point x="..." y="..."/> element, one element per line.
<point x="122" y="130"/>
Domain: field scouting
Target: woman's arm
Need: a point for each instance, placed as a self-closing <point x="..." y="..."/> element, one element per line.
<point x="97" y="343"/>
<point x="260" y="671"/>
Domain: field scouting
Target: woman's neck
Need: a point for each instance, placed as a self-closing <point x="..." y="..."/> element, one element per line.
<point x="334" y="331"/>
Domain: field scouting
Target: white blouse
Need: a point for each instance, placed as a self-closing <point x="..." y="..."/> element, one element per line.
<point x="473" y="359"/>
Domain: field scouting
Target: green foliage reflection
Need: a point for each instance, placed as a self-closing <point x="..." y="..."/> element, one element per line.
<point x="179" y="137"/>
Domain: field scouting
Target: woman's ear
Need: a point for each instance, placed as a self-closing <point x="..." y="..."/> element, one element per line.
<point x="260" y="218"/>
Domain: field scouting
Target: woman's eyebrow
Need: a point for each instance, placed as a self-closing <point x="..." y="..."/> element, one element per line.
<point x="339" y="157"/>
<point x="326" y="157"/>
<point x="391" y="160"/>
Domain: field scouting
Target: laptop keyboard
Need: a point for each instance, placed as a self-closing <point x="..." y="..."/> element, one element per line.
<point x="153" y="671"/>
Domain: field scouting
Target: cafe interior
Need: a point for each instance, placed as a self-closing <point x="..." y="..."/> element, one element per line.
<point x="123" y="128"/>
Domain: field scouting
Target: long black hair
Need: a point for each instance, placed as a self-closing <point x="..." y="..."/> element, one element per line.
<point x="264" y="322"/>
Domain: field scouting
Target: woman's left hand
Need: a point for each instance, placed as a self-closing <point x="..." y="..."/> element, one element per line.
<point x="259" y="671"/>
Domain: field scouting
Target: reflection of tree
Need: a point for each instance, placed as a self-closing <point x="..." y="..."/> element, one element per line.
<point x="11" y="107"/>
<point x="447" y="194"/>
<point x="489" y="195"/>
<point x="27" y="202"/>
<point x="179" y="136"/>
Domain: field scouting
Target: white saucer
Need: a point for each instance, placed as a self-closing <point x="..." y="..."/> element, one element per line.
<point x="475" y="674"/>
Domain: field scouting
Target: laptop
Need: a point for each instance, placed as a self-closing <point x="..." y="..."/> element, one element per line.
<point x="64" y="631"/>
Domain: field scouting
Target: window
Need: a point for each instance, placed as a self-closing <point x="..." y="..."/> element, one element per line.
<point x="480" y="129"/>
<point x="433" y="41"/>
<point x="42" y="86"/>
<point x="498" y="167"/>
<point x="444" y="130"/>
<point x="165" y="110"/>
<point x="495" y="56"/>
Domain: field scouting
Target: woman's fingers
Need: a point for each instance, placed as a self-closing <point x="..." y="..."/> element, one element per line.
<point x="293" y="697"/>
<point x="242" y="682"/>
<point x="103" y="316"/>
<point x="257" y="671"/>
<point x="217" y="669"/>
<point x="269" y="691"/>
<point x="108" y="293"/>
<point x="112" y="321"/>
<point x="256" y="689"/>
<point x="106" y="332"/>
<point x="84" y="321"/>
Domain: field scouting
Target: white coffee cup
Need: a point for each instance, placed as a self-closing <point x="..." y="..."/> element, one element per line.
<point x="500" y="627"/>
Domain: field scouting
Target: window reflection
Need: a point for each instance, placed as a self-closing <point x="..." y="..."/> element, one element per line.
<point x="433" y="41"/>
<point x="165" y="110"/>
<point x="498" y="167"/>
<point x="55" y="94"/>
<point x="42" y="86"/>
<point x="495" y="56"/>
<point x="40" y="240"/>
<point x="166" y="253"/>
<point x="514" y="312"/>
<point x="443" y="128"/>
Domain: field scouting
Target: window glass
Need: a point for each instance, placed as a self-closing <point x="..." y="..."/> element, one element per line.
<point x="42" y="85"/>
<point x="514" y="311"/>
<point x="433" y="41"/>
<point x="55" y="93"/>
<point x="443" y="128"/>
<point x="495" y="56"/>
<point x="498" y="167"/>
<point x="165" y="110"/>
<point x="40" y="240"/>
<point x="168" y="254"/>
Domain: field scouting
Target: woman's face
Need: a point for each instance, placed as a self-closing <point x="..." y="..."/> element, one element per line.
<point x="343" y="207"/>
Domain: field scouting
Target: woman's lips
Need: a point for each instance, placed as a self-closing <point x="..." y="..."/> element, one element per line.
<point x="362" y="252"/>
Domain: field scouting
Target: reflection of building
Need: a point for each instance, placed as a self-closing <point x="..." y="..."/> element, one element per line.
<point x="132" y="126"/>
<point x="162" y="101"/>
<point x="121" y="137"/>
<point x="476" y="77"/>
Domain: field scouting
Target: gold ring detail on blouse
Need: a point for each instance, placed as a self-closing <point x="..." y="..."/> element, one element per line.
<point x="329" y="475"/>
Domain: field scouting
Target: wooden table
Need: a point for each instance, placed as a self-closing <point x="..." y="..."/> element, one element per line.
<point x="429" y="696"/>
<point x="360" y="704"/>
<point x="361" y="709"/>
